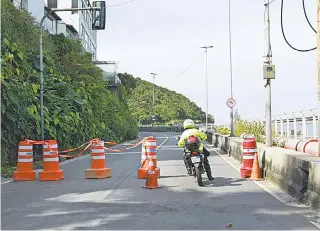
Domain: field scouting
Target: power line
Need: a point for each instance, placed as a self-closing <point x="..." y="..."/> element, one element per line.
<point x="285" y="36"/>
<point x="188" y="66"/>
<point x="120" y="4"/>
<point x="305" y="14"/>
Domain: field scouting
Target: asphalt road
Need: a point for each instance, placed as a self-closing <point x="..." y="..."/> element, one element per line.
<point x="120" y="202"/>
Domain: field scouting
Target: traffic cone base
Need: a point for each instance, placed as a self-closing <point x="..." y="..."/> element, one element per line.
<point x="143" y="173"/>
<point x="24" y="176"/>
<point x="100" y="173"/>
<point x="152" y="182"/>
<point x="245" y="172"/>
<point x="152" y="187"/>
<point x="51" y="175"/>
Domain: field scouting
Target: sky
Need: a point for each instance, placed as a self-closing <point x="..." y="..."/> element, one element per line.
<point x="164" y="37"/>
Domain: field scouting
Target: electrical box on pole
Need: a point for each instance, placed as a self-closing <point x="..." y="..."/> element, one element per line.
<point x="269" y="72"/>
<point x="99" y="15"/>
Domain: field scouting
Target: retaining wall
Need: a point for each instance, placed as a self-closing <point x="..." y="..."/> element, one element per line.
<point x="295" y="172"/>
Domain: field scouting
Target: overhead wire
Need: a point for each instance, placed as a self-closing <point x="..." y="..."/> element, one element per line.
<point x="306" y="15"/>
<point x="194" y="62"/>
<point x="120" y="4"/>
<point x="284" y="36"/>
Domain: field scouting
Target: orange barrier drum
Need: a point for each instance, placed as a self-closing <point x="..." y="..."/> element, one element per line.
<point x="149" y="152"/>
<point x="51" y="166"/>
<point x="97" y="168"/>
<point x="248" y="155"/>
<point x="25" y="171"/>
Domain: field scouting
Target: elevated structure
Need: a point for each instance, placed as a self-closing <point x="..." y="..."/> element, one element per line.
<point x="110" y="74"/>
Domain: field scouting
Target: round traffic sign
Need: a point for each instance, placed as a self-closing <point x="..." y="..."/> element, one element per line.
<point x="231" y="103"/>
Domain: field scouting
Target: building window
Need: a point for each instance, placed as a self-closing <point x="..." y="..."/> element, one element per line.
<point x="74" y="4"/>
<point x="52" y="3"/>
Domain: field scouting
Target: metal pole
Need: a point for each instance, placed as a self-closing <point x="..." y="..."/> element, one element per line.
<point x="207" y="97"/>
<point x="207" y="88"/>
<point x="153" y="98"/>
<point x="268" y="85"/>
<point x="154" y="77"/>
<point x="41" y="77"/>
<point x="231" y="82"/>
<point x="318" y="49"/>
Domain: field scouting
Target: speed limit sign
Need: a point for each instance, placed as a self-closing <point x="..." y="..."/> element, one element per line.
<point x="231" y="103"/>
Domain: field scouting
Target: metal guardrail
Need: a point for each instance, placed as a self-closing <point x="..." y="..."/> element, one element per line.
<point x="301" y="124"/>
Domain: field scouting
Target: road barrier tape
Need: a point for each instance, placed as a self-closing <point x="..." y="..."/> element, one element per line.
<point x="89" y="143"/>
<point x="133" y="146"/>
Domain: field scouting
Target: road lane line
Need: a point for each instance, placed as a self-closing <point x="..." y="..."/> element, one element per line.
<point x="163" y="142"/>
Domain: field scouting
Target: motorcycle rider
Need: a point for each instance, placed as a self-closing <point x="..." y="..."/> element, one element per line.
<point x="190" y="130"/>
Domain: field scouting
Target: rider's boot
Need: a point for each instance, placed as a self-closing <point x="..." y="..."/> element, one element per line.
<point x="208" y="171"/>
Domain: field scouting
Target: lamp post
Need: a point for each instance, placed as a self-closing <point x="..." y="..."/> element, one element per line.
<point x="153" y="116"/>
<point x="231" y="82"/>
<point x="206" y="50"/>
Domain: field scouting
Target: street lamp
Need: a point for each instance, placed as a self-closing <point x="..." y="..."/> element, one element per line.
<point x="231" y="83"/>
<point x="153" y="116"/>
<point x="206" y="49"/>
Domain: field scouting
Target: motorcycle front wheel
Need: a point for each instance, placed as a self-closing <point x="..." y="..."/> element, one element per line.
<point x="199" y="177"/>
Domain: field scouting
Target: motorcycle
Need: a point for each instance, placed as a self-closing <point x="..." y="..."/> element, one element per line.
<point x="194" y="157"/>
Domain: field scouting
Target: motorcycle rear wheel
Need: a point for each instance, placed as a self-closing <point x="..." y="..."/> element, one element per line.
<point x="199" y="177"/>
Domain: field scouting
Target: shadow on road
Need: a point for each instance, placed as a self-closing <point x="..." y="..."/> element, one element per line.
<point x="221" y="182"/>
<point x="176" y="176"/>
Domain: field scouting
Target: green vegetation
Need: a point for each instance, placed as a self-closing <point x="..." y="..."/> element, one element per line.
<point x="170" y="107"/>
<point x="242" y="126"/>
<point x="77" y="104"/>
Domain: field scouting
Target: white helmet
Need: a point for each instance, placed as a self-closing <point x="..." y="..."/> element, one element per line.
<point x="188" y="123"/>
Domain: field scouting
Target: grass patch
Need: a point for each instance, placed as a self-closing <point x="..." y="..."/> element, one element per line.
<point x="7" y="171"/>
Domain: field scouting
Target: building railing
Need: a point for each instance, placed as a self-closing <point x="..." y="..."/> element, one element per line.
<point x="300" y="124"/>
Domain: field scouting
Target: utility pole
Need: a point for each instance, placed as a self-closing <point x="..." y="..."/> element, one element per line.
<point x="231" y="82"/>
<point x="153" y="115"/>
<point x="268" y="61"/>
<point x="318" y="51"/>
<point x="207" y="104"/>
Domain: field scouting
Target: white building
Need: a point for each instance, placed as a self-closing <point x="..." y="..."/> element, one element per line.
<point x="81" y="21"/>
<point x="76" y="25"/>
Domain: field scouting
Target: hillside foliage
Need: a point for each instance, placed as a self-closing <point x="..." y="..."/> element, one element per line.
<point x="77" y="104"/>
<point x="170" y="106"/>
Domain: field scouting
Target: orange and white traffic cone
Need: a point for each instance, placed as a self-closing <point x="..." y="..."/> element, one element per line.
<point x="256" y="170"/>
<point x="51" y="166"/>
<point x="152" y="179"/>
<point x="25" y="171"/>
<point x="142" y="171"/>
<point x="149" y="151"/>
<point x="97" y="168"/>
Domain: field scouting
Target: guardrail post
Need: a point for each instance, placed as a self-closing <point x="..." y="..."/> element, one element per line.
<point x="281" y="122"/>
<point x="295" y="127"/>
<point x="304" y="126"/>
<point x="288" y="126"/>
<point x="314" y="125"/>
<point x="276" y="126"/>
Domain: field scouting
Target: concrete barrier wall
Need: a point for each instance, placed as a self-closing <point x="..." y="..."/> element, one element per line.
<point x="295" y="172"/>
<point x="161" y="129"/>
